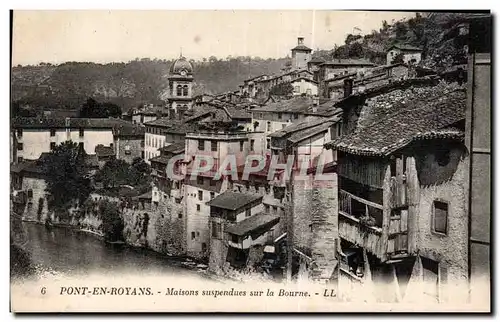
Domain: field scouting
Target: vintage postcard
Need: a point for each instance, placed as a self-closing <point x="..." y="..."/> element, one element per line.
<point x="250" y="161"/>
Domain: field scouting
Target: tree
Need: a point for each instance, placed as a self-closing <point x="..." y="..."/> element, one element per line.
<point x="93" y="109"/>
<point x="398" y="59"/>
<point x="112" y="223"/>
<point x="283" y="89"/>
<point x="67" y="178"/>
<point x="114" y="173"/>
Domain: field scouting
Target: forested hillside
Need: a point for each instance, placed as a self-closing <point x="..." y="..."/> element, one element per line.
<point x="67" y="86"/>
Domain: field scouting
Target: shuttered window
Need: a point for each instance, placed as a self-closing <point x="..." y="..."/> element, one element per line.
<point x="440" y="217"/>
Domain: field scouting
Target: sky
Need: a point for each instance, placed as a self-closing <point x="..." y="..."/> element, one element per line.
<point x="119" y="36"/>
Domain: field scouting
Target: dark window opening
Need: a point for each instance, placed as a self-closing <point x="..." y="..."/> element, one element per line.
<point x="201" y="145"/>
<point x="20" y="146"/>
<point x="179" y="90"/>
<point x="440" y="217"/>
<point x="199" y="180"/>
<point x="213" y="146"/>
<point x="252" y="143"/>
<point x="248" y="213"/>
<point x="241" y="145"/>
<point x="179" y="215"/>
<point x="234" y="238"/>
<point x="193" y="235"/>
<point x="52" y="145"/>
<point x="81" y="132"/>
<point x="198" y="207"/>
<point x="200" y="195"/>
<point x="52" y="132"/>
<point x="20" y="133"/>
<point x="443" y="156"/>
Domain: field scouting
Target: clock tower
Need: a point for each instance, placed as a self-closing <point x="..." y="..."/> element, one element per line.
<point x="180" y="86"/>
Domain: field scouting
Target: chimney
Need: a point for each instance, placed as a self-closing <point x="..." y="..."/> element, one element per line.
<point x="348" y="87"/>
<point x="300" y="41"/>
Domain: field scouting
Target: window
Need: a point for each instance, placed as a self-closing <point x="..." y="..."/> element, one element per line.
<point x="268" y="129"/>
<point x="297" y="89"/>
<point x="199" y="180"/>
<point x="179" y="215"/>
<point x="212" y="182"/>
<point x="275" y="209"/>
<point x="193" y="235"/>
<point x="201" y="145"/>
<point x="19" y="159"/>
<point x="308" y="91"/>
<point x="252" y="142"/>
<point x="296" y="115"/>
<point x="248" y="212"/>
<point x="440" y="217"/>
<point x="212" y="195"/>
<point x="198" y="207"/>
<point x="279" y="116"/>
<point x="200" y="195"/>
<point x="268" y="144"/>
<point x="19" y="133"/>
<point x="52" y="145"/>
<point x="283" y="126"/>
<point x="80" y="145"/>
<point x="20" y="146"/>
<point x="81" y="132"/>
<point x="203" y="247"/>
<point x="234" y="238"/>
<point x="197" y="234"/>
<point x="185" y="90"/>
<point x="30" y="193"/>
<point x="266" y="208"/>
<point x="179" y="90"/>
<point x="213" y="145"/>
<point x="127" y="149"/>
<point x="216" y="230"/>
<point x="52" y="132"/>
<point x="177" y="200"/>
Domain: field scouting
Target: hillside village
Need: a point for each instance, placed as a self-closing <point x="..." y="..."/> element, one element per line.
<point x="392" y="132"/>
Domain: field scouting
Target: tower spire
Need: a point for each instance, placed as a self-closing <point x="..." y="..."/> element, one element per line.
<point x="181" y="53"/>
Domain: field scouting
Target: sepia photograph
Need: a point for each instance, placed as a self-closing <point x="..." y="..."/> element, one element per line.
<point x="166" y="161"/>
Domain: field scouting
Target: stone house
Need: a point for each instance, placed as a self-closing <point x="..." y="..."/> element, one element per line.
<point x="401" y="194"/>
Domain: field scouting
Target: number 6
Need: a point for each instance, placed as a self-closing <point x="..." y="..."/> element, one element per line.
<point x="43" y="291"/>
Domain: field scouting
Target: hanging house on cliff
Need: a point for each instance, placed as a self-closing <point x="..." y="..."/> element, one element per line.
<point x="401" y="193"/>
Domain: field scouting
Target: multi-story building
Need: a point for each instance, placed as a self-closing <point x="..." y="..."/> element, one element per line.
<point x="301" y="54"/>
<point x="338" y="67"/>
<point x="203" y="186"/>
<point x="401" y="167"/>
<point x="33" y="136"/>
<point x="180" y="86"/>
<point x="411" y="54"/>
<point x="238" y="224"/>
<point x="311" y="220"/>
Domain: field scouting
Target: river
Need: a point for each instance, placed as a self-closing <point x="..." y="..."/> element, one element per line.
<point x="69" y="251"/>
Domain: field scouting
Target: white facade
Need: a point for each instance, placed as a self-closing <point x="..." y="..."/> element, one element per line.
<point x="34" y="142"/>
<point x="304" y="86"/>
<point x="407" y="56"/>
<point x="152" y="142"/>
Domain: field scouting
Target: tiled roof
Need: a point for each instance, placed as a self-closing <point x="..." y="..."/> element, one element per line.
<point x="233" y="200"/>
<point x="310" y="126"/>
<point x="302" y="47"/>
<point x="296" y="104"/>
<point x="316" y="60"/>
<point x="174" y="148"/>
<point x="163" y="159"/>
<point x="253" y="223"/>
<point x="348" y="62"/>
<point x="407" y="120"/>
<point x="128" y="130"/>
<point x="172" y="125"/>
<point x="37" y="123"/>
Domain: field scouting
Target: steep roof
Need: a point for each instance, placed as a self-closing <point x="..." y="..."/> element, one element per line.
<point x="295" y="104"/>
<point x="348" y="62"/>
<point x="301" y="48"/>
<point x="424" y="116"/>
<point x="302" y="130"/>
<point x="174" y="148"/>
<point x="253" y="223"/>
<point x="128" y="130"/>
<point x="86" y="123"/>
<point x="233" y="200"/>
<point x="172" y="125"/>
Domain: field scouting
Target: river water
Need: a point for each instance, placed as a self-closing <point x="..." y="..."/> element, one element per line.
<point x="68" y="251"/>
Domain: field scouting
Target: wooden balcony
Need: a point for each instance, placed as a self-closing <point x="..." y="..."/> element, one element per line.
<point x="399" y="194"/>
<point x="355" y="228"/>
